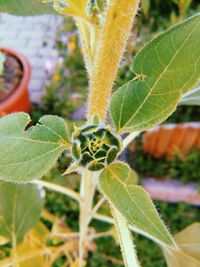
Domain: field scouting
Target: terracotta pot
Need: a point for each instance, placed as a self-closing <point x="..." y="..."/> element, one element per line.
<point x="167" y="140"/>
<point x="19" y="100"/>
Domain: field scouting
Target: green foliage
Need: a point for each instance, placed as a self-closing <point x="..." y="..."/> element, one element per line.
<point x="26" y="7"/>
<point x="117" y="182"/>
<point x="155" y="92"/>
<point x="177" y="217"/>
<point x="28" y="154"/>
<point x="67" y="88"/>
<point x="185" y="114"/>
<point x="185" y="170"/>
<point x="20" y="208"/>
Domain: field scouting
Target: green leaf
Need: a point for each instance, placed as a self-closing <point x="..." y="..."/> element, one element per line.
<point x="26" y="7"/>
<point x="27" y="155"/>
<point x="191" y="98"/>
<point x="165" y="69"/>
<point x="117" y="182"/>
<point x="188" y="254"/>
<point x="20" y="208"/>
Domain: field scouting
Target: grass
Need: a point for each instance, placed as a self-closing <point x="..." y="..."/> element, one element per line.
<point x="185" y="170"/>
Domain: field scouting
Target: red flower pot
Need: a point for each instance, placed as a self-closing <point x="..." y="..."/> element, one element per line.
<point x="19" y="99"/>
<point x="169" y="139"/>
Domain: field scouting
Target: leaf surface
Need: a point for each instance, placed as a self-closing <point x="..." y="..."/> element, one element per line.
<point x="188" y="255"/>
<point x="117" y="182"/>
<point x="76" y="8"/>
<point x="32" y="251"/>
<point x="20" y="208"/>
<point x="27" y="155"/>
<point x="26" y="7"/>
<point x="164" y="70"/>
<point x="40" y="7"/>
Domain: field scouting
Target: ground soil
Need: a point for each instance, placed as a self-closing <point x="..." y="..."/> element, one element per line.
<point x="11" y="77"/>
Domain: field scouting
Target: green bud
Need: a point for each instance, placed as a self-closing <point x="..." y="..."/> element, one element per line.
<point x="95" y="146"/>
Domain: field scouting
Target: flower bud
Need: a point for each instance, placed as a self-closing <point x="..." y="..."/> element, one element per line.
<point x="94" y="146"/>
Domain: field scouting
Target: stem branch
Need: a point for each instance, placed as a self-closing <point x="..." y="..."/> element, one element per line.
<point x="59" y="189"/>
<point x="87" y="191"/>
<point x="125" y="239"/>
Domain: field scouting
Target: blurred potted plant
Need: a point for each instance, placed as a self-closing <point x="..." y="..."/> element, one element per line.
<point x="15" y="74"/>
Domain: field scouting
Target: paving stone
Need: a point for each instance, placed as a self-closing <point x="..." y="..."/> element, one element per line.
<point x="36" y="96"/>
<point x="35" y="43"/>
<point x="40" y="73"/>
<point x="36" y="84"/>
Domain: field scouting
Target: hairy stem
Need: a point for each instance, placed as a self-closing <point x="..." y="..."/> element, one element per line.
<point x="85" y="35"/>
<point x="89" y="34"/>
<point x="103" y="48"/>
<point x="87" y="191"/>
<point x="125" y="239"/>
<point x="57" y="188"/>
<point x="111" y="46"/>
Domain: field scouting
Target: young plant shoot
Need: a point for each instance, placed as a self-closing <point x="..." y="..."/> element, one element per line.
<point x="162" y="73"/>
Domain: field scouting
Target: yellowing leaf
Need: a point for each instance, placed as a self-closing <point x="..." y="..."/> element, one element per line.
<point x="32" y="251"/>
<point x="188" y="255"/>
<point x="117" y="182"/>
<point x="75" y="8"/>
<point x="3" y="240"/>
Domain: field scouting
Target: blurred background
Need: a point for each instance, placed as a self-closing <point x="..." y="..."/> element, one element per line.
<point x="42" y="72"/>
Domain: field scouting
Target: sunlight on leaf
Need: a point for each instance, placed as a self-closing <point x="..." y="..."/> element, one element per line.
<point x="27" y="155"/>
<point x="3" y="240"/>
<point x="32" y="251"/>
<point x="26" y="7"/>
<point x="20" y="208"/>
<point x="75" y="8"/>
<point x="189" y="254"/>
<point x="117" y="182"/>
<point x="164" y="70"/>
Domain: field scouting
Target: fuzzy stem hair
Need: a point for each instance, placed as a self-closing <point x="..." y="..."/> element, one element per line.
<point x="111" y="46"/>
